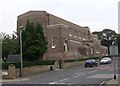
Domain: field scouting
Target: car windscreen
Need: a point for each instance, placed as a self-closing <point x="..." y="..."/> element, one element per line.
<point x="105" y="59"/>
<point x="88" y="60"/>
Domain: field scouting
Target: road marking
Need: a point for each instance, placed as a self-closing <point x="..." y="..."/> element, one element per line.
<point x="59" y="81"/>
<point x="53" y="83"/>
<point x="76" y="76"/>
<point x="92" y="71"/>
<point x="64" y="79"/>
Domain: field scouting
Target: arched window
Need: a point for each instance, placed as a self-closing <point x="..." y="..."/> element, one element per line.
<point x="53" y="42"/>
<point x="65" y="45"/>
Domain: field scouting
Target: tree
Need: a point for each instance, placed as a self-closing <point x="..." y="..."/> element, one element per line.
<point x="118" y="41"/>
<point x="98" y="34"/>
<point x="34" y="44"/>
<point x="106" y="36"/>
<point x="10" y="45"/>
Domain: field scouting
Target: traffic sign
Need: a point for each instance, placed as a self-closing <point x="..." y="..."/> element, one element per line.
<point x="113" y="49"/>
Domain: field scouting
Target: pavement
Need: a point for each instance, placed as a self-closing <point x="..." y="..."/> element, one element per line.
<point x="111" y="82"/>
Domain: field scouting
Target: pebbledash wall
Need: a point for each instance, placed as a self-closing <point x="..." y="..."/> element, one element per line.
<point x="66" y="40"/>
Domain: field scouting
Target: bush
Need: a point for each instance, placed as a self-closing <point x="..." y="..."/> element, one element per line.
<point x="28" y="63"/>
<point x="81" y="59"/>
<point x="35" y="63"/>
<point x="6" y="64"/>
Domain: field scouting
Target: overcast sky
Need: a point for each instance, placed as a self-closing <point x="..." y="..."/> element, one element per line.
<point x="96" y="14"/>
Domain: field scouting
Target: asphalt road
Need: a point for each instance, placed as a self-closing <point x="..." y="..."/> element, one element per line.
<point x="77" y="75"/>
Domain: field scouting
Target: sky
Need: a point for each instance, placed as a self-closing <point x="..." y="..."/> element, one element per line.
<point x="96" y="14"/>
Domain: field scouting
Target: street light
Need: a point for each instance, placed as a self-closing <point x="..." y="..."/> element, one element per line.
<point x="21" y="61"/>
<point x="113" y="44"/>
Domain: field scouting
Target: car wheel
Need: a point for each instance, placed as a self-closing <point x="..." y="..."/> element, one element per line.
<point x="91" y="65"/>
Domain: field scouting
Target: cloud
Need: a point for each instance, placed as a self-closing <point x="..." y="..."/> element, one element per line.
<point x="93" y="13"/>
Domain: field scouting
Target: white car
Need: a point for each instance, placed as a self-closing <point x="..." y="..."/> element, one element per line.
<point x="105" y="60"/>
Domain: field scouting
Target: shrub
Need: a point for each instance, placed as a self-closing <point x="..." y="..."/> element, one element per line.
<point x="81" y="59"/>
<point x="27" y="63"/>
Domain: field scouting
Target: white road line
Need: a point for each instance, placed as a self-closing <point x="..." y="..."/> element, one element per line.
<point x="53" y="83"/>
<point x="92" y="71"/>
<point x="64" y="79"/>
<point x="59" y="81"/>
<point x="76" y="76"/>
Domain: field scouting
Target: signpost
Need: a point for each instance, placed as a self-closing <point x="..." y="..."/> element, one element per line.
<point x="76" y="53"/>
<point x="114" y="51"/>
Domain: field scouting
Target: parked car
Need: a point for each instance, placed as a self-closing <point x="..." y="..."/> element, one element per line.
<point x="105" y="60"/>
<point x="90" y="63"/>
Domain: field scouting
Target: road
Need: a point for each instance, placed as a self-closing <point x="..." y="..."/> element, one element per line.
<point x="77" y="75"/>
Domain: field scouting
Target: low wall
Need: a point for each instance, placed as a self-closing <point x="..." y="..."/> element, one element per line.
<point x="37" y="69"/>
<point x="73" y="64"/>
<point x="28" y="71"/>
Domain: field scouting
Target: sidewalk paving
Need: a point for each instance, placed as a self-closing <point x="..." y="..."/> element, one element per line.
<point x="13" y="80"/>
<point x="112" y="81"/>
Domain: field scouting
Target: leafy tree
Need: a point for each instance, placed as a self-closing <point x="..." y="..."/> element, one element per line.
<point x="34" y="44"/>
<point x="118" y="41"/>
<point x="10" y="45"/>
<point x="106" y="36"/>
<point x="98" y="34"/>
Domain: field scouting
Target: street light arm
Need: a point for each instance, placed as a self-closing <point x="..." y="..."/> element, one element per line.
<point x="20" y="27"/>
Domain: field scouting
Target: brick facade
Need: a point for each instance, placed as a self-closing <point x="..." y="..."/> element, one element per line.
<point x="65" y="39"/>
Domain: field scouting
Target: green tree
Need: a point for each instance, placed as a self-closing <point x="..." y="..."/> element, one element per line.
<point x="10" y="45"/>
<point x="34" y="44"/>
<point x="106" y="36"/>
<point x="118" y="41"/>
<point x="98" y="34"/>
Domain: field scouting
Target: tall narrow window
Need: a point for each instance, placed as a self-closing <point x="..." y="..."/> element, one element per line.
<point x="53" y="42"/>
<point x="65" y="45"/>
<point x="48" y="18"/>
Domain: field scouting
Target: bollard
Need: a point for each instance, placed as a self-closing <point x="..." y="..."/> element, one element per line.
<point x="51" y="68"/>
<point x="12" y="71"/>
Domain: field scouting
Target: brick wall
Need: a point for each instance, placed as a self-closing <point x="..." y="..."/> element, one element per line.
<point x="63" y="32"/>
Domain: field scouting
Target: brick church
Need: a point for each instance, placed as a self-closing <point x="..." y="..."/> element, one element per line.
<point x="66" y="40"/>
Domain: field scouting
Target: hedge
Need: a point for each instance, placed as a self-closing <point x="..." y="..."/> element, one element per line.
<point x="32" y="63"/>
<point x="44" y="62"/>
<point x="81" y="59"/>
<point x="28" y="63"/>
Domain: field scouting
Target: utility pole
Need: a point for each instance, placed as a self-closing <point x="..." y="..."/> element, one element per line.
<point x="21" y="60"/>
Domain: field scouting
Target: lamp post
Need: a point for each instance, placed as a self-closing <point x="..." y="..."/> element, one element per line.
<point x="21" y="61"/>
<point x="113" y="44"/>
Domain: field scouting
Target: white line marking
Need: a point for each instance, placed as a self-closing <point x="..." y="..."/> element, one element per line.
<point x="59" y="81"/>
<point x="52" y="83"/>
<point x="64" y="79"/>
<point x="76" y="76"/>
<point x="92" y="71"/>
